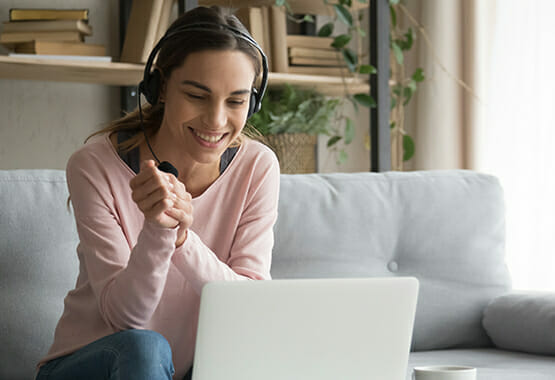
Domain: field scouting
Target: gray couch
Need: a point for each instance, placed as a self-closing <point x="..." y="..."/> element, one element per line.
<point x="446" y="228"/>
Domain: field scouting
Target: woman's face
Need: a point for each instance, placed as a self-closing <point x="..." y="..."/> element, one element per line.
<point x="207" y="101"/>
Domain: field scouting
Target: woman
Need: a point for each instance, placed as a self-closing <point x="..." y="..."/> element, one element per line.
<point x="149" y="241"/>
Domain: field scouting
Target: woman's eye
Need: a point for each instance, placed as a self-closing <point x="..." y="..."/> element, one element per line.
<point x="237" y="102"/>
<point x="193" y="96"/>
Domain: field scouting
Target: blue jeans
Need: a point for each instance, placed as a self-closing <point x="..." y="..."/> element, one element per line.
<point x="129" y="354"/>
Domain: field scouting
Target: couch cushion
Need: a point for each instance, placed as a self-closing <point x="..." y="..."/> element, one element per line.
<point x="444" y="227"/>
<point x="522" y="321"/>
<point x="491" y="364"/>
<point x="38" y="265"/>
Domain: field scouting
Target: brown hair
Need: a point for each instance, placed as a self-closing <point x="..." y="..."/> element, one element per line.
<point x="172" y="54"/>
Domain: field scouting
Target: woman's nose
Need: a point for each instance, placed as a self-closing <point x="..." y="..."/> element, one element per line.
<point x="215" y="116"/>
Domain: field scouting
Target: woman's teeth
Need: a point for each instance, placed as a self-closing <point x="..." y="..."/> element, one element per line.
<point x="210" y="139"/>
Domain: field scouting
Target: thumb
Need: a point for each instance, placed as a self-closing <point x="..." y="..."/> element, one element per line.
<point x="147" y="164"/>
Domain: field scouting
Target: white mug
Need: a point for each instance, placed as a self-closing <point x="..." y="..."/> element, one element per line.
<point x="444" y="372"/>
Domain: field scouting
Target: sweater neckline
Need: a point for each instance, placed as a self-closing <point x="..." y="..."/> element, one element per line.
<point x="227" y="172"/>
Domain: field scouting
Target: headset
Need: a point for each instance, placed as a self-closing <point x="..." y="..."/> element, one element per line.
<point x="152" y="79"/>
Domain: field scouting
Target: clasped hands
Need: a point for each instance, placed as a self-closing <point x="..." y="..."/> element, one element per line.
<point x="163" y="199"/>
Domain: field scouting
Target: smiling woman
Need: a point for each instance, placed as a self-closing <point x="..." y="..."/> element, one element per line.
<point x="149" y="240"/>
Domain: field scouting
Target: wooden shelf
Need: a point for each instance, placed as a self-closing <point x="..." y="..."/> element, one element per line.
<point x="130" y="74"/>
<point x="110" y="73"/>
<point x="315" y="7"/>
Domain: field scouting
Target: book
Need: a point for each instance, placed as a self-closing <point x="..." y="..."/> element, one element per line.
<point x="143" y="29"/>
<point x="314" y="53"/>
<point x="338" y="61"/>
<point x="253" y="20"/>
<point x="20" y="14"/>
<point x="326" y="71"/>
<point x="16" y="37"/>
<point x="313" y="42"/>
<point x="278" y="21"/>
<point x="256" y="20"/>
<point x="48" y="26"/>
<point x="60" y="48"/>
<point x="63" y="57"/>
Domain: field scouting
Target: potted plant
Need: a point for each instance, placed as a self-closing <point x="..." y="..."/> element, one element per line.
<point x="290" y="121"/>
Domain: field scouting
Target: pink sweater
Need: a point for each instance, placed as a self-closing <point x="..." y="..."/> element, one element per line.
<point x="131" y="276"/>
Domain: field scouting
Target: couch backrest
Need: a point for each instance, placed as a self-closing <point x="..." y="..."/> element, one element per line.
<point x="444" y="227"/>
<point x="38" y="265"/>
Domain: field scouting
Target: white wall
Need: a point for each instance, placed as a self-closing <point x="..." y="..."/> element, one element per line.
<point x="42" y="123"/>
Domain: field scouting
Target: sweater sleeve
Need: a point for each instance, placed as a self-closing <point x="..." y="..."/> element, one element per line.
<point x="253" y="240"/>
<point x="127" y="284"/>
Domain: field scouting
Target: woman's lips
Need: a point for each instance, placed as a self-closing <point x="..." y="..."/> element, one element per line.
<point x="208" y="139"/>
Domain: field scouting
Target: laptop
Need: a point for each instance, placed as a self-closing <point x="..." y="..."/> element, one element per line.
<point x="309" y="329"/>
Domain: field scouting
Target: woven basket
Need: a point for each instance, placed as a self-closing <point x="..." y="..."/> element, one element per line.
<point x="296" y="152"/>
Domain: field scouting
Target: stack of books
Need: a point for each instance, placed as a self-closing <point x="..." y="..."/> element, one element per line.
<point x="50" y="33"/>
<point x="314" y="56"/>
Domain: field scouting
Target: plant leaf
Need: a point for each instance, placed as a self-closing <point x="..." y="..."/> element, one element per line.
<point x="408" y="91"/>
<point x="393" y="16"/>
<point x="397" y="52"/>
<point x="308" y="18"/>
<point x="340" y="41"/>
<point x="349" y="131"/>
<point x="343" y="14"/>
<point x="350" y="58"/>
<point x="326" y="30"/>
<point x="367" y="69"/>
<point x="361" y="31"/>
<point x="418" y="75"/>
<point x="353" y="102"/>
<point x="280" y="3"/>
<point x="342" y="157"/>
<point x="365" y="99"/>
<point x="393" y="102"/>
<point x="393" y="2"/>
<point x="408" y="147"/>
<point x="333" y="140"/>
<point x="409" y="39"/>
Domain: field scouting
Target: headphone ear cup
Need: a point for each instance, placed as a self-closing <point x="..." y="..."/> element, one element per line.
<point x="150" y="86"/>
<point x="254" y="104"/>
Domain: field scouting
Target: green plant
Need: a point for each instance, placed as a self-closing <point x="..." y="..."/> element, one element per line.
<point x="294" y="110"/>
<point x="342" y="130"/>
<point x="402" y="87"/>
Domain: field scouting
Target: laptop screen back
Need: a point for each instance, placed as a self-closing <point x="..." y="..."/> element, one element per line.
<point x="324" y="329"/>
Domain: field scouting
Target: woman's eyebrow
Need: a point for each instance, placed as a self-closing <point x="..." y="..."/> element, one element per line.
<point x="196" y="84"/>
<point x="204" y="88"/>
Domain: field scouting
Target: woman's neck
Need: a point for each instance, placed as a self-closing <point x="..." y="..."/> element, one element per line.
<point x="196" y="177"/>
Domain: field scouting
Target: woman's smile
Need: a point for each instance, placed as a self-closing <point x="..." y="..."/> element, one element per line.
<point x="209" y="140"/>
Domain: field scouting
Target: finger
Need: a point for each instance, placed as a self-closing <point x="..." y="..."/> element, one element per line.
<point x="177" y="186"/>
<point x="185" y="219"/>
<point x="158" y="214"/>
<point x="150" y="201"/>
<point x="155" y="187"/>
<point x="147" y="164"/>
<point x="147" y="171"/>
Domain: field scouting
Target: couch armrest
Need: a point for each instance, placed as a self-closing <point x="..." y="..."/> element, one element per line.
<point x="522" y="321"/>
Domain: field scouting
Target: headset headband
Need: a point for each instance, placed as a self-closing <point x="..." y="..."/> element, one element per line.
<point x="208" y="27"/>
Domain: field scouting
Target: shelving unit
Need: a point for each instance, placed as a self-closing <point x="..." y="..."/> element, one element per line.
<point x="130" y="74"/>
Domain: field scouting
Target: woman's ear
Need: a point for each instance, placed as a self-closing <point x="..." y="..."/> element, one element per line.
<point x="162" y="87"/>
